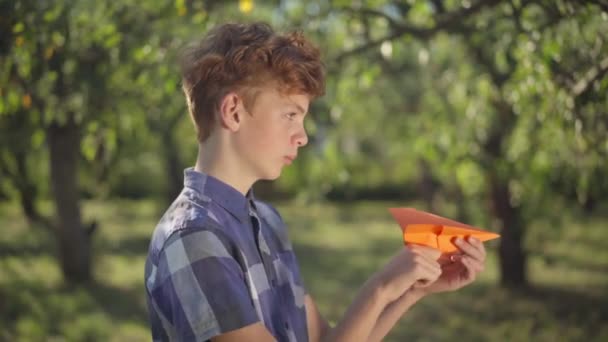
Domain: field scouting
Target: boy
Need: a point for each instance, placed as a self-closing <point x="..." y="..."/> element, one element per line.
<point x="220" y="265"/>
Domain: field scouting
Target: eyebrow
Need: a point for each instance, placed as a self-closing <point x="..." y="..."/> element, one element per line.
<point x="297" y="106"/>
<point x="300" y="109"/>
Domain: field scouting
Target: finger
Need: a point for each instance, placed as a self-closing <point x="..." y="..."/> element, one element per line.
<point x="454" y="258"/>
<point x="468" y="274"/>
<point x="469" y="249"/>
<point x="449" y="258"/>
<point x="478" y="266"/>
<point x="427" y="269"/>
<point x="430" y="265"/>
<point x="479" y="244"/>
<point x="456" y="271"/>
<point x="414" y="254"/>
<point x="471" y="273"/>
<point x="431" y="254"/>
<point x="428" y="252"/>
<point x="426" y="259"/>
<point x="453" y="267"/>
<point x="434" y="270"/>
<point x="428" y="276"/>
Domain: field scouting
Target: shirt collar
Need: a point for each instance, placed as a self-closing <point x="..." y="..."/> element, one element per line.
<point x="221" y="193"/>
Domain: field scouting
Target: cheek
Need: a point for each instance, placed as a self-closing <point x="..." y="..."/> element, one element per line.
<point x="267" y="136"/>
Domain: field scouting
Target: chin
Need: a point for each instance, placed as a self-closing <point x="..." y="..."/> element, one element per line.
<point x="272" y="175"/>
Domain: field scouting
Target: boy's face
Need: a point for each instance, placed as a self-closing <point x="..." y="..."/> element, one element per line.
<point x="270" y="135"/>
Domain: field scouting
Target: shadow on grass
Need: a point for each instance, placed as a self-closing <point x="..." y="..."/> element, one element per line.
<point x="21" y="250"/>
<point x="30" y="310"/>
<point x="565" y="261"/>
<point x="127" y="246"/>
<point x="485" y="312"/>
<point x="32" y="242"/>
<point x="120" y="303"/>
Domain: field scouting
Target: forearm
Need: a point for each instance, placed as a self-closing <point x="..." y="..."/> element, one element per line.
<point x="361" y="317"/>
<point x="392" y="313"/>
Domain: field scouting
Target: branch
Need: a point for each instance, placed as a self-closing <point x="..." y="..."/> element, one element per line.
<point x="374" y="43"/>
<point x="445" y="21"/>
<point x="517" y="16"/>
<point x="363" y="12"/>
<point x="26" y="191"/>
<point x="498" y="77"/>
<point x="450" y="19"/>
<point x="582" y="88"/>
<point x="603" y="5"/>
<point x="439" y="6"/>
<point x="561" y="76"/>
<point x="5" y="170"/>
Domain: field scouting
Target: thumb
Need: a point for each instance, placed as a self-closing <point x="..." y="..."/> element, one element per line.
<point x="431" y="253"/>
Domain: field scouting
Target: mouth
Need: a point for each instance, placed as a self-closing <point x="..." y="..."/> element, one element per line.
<point x="289" y="159"/>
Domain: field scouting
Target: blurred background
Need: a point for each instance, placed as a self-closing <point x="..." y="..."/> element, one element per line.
<point x="490" y="112"/>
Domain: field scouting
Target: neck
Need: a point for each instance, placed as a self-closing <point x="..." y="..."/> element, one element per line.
<point x="219" y="161"/>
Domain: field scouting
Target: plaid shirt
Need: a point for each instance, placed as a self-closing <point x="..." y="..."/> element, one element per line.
<point x="219" y="261"/>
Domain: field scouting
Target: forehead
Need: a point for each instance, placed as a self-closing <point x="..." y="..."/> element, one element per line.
<point x="273" y="97"/>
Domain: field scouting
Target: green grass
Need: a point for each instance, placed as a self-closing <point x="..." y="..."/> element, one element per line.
<point x="338" y="247"/>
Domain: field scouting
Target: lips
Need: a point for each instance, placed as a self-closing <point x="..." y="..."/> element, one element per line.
<point x="289" y="159"/>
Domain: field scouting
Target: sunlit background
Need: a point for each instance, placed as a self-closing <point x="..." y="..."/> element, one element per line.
<point x="490" y="112"/>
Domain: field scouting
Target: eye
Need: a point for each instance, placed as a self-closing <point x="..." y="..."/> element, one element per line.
<point x="291" y="116"/>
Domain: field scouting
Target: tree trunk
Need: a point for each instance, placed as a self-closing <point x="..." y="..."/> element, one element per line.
<point x="74" y="242"/>
<point x="427" y="185"/>
<point x="512" y="257"/>
<point x="28" y="194"/>
<point x="461" y="208"/>
<point x="27" y="190"/>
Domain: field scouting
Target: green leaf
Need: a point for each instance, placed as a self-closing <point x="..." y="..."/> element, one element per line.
<point x="18" y="27"/>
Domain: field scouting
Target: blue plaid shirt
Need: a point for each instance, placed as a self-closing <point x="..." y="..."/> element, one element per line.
<point x="219" y="261"/>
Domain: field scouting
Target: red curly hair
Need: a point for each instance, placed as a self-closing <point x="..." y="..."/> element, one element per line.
<point x="239" y="57"/>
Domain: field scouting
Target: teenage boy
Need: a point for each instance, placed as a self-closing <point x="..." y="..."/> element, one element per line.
<point x="220" y="265"/>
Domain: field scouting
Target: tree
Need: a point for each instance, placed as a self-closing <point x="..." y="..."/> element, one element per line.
<point x="58" y="60"/>
<point x="491" y="50"/>
<point x="81" y="82"/>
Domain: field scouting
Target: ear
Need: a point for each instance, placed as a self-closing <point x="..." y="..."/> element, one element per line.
<point x="231" y="110"/>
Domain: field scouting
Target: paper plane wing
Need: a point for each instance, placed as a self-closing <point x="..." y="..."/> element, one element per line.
<point x="430" y="230"/>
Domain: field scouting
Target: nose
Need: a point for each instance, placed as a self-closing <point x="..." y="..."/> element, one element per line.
<point x="301" y="138"/>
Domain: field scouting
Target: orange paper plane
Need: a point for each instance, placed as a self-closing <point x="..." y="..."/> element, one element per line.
<point x="426" y="229"/>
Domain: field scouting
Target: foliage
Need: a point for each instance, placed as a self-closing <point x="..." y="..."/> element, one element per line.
<point x="449" y="101"/>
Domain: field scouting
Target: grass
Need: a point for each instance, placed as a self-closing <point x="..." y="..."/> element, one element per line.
<point x="338" y="247"/>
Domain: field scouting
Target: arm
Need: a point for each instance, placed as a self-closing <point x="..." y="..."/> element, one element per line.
<point x="319" y="329"/>
<point x="253" y="332"/>
<point x="381" y="300"/>
<point x="317" y="325"/>
<point x="454" y="276"/>
<point x="360" y="318"/>
<point x="393" y="313"/>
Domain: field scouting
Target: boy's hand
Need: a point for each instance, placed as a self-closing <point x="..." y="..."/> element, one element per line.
<point x="414" y="265"/>
<point x="461" y="269"/>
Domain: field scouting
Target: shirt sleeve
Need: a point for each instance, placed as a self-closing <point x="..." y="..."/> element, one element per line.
<point x="202" y="291"/>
